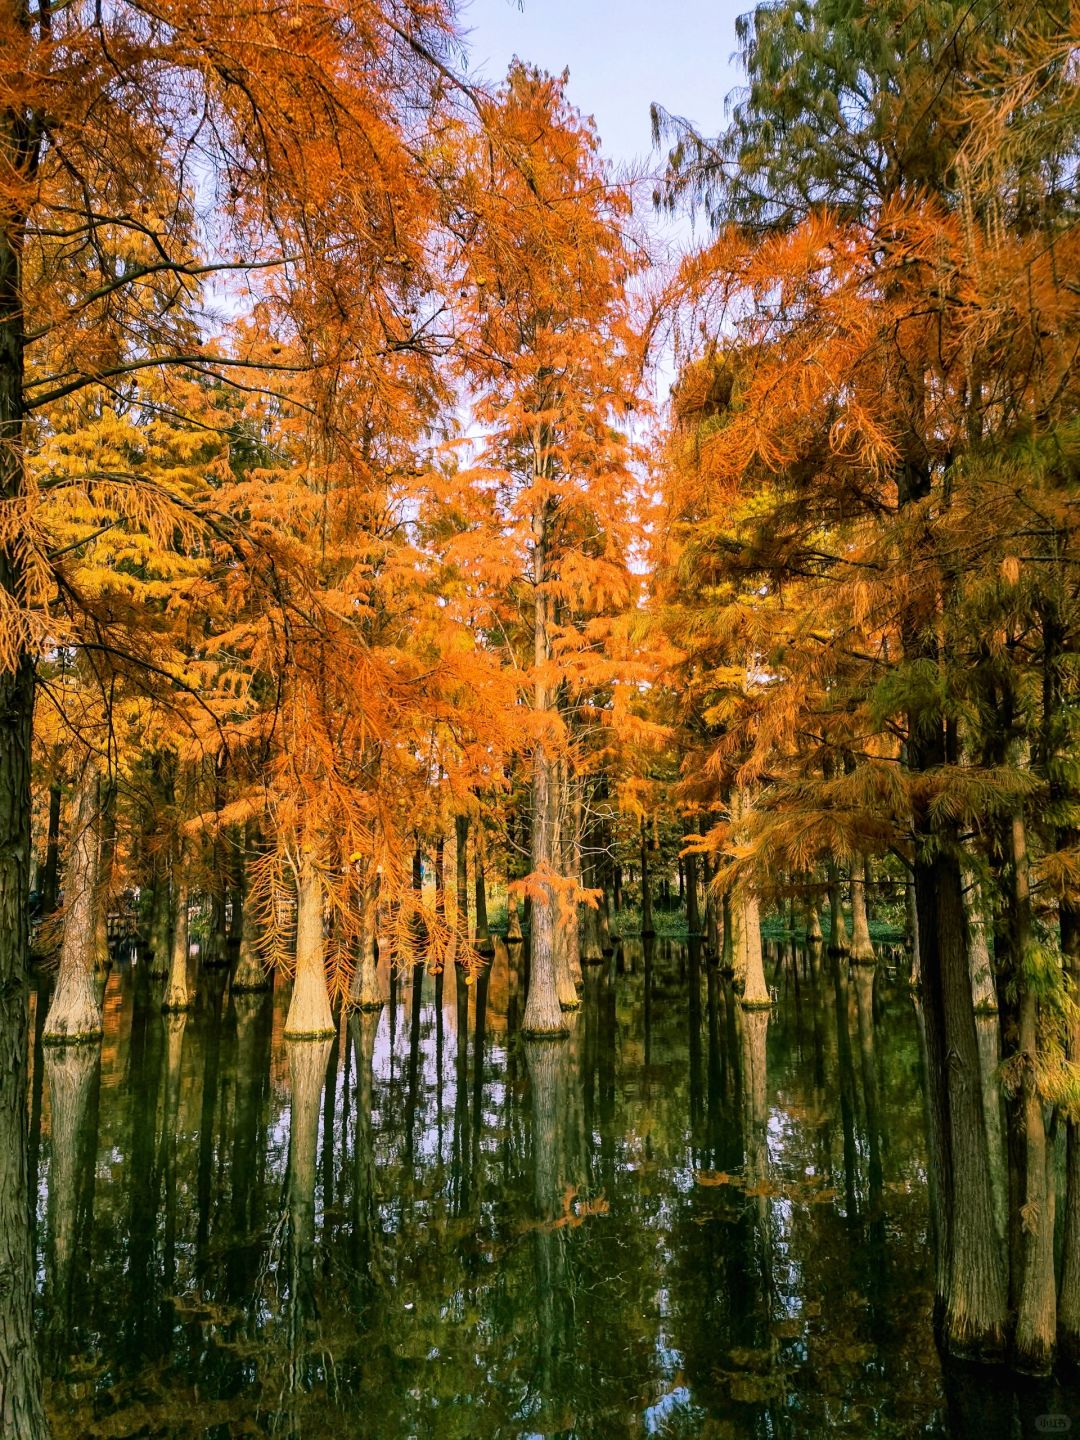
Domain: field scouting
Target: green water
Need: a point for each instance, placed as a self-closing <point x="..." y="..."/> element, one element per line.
<point x="684" y="1221"/>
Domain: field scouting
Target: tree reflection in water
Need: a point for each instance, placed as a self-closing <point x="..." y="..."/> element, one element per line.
<point x="686" y="1219"/>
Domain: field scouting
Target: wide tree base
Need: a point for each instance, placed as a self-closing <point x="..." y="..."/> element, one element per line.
<point x="531" y="1033"/>
<point x="252" y="985"/>
<point x="369" y="1006"/>
<point x="89" y="1036"/>
<point x="74" y="1018"/>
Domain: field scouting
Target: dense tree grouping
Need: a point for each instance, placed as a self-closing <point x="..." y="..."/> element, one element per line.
<point x="350" y="581"/>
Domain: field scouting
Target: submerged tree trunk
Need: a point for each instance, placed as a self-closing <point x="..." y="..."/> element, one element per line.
<point x="813" y="922"/>
<point x="913" y="935"/>
<point x="106" y="860"/>
<point x="693" y="913"/>
<point x="366" y="990"/>
<point x="461" y="915"/>
<point x="513" y="920"/>
<point x="177" y="994"/>
<point x="161" y="918"/>
<point x="483" y="930"/>
<point x="310" y="1016"/>
<point x="727" y="948"/>
<point x="862" y="947"/>
<point x="647" y="926"/>
<point x="251" y="974"/>
<point x="543" y="1013"/>
<point x="973" y="1291"/>
<point x="750" y="967"/>
<point x="570" y="976"/>
<point x="75" y="1013"/>
<point x="838" y="936"/>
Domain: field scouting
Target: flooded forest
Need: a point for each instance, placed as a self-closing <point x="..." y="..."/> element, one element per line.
<point x="539" y="792"/>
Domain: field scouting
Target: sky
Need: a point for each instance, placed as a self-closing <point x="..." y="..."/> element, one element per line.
<point x="622" y="55"/>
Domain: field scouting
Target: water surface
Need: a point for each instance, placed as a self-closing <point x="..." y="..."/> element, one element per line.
<point x="686" y="1220"/>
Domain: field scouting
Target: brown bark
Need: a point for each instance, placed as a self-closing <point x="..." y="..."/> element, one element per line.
<point x="177" y="994"/>
<point x="461" y="913"/>
<point x="483" y="931"/>
<point x="750" y="967"/>
<point x="693" y="913"/>
<point x="161" y="917"/>
<point x="75" y="1013"/>
<point x="838" y="935"/>
<point x="310" y="1016"/>
<point x="862" y="947"/>
<point x="647" y="926"/>
<point x="366" y="991"/>
<point x="543" y="1012"/>
<point x="513" y="921"/>
<point x="1036" y="1318"/>
<point x="1068" y="1337"/>
<point x="22" y="1415"/>
<point x="569" y="951"/>
<point x="974" y="1290"/>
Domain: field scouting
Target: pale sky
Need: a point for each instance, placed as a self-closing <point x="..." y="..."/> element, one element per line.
<point x="622" y="54"/>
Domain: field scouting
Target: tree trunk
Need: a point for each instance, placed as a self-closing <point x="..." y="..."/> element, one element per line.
<point x="543" y="1013"/>
<point x="983" y="989"/>
<point x="440" y="877"/>
<point x="366" y="989"/>
<point x="75" y="1013"/>
<point x="571" y="978"/>
<point x="693" y="913"/>
<point x="913" y="934"/>
<point x="161" y="918"/>
<point x="727" y="948"/>
<point x="177" y="994"/>
<point x="50" y="880"/>
<point x="106" y="861"/>
<point x="461" y="914"/>
<point x="974" y="1298"/>
<point x="513" y="921"/>
<point x="750" y="968"/>
<point x="251" y="974"/>
<point x="22" y="1415"/>
<point x="483" y="932"/>
<point x="862" y="947"/>
<point x="813" y="922"/>
<point x="592" y="916"/>
<point x="310" y="1016"/>
<point x="647" y="926"/>
<point x="1036" y="1319"/>
<point x="1069" y="1292"/>
<point x="838" y="936"/>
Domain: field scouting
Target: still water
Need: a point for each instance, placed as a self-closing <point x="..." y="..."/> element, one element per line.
<point x="686" y="1220"/>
